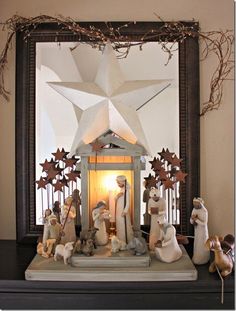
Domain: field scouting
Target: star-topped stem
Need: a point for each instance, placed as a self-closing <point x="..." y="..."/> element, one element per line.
<point x="55" y="179"/>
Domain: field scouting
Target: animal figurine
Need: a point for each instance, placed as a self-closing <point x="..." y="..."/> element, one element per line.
<point x="156" y="207"/>
<point x="89" y="234"/>
<point x="77" y="247"/>
<point x="167" y="248"/>
<point x="88" y="248"/>
<point x="222" y="260"/>
<point x="138" y="245"/>
<point x="64" y="251"/>
<point x="117" y="245"/>
<point x="49" y="246"/>
<point x="199" y="219"/>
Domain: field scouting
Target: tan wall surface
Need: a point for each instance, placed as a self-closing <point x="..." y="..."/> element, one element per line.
<point x="217" y="127"/>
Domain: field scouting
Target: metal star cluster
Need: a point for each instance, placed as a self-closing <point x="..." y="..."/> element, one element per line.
<point x="167" y="170"/>
<point x="59" y="171"/>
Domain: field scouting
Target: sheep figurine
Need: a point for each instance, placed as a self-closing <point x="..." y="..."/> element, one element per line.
<point x="138" y="245"/>
<point x="117" y="245"/>
<point x="64" y="251"/>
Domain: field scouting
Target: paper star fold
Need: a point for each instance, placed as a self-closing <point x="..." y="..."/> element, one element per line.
<point x="109" y="103"/>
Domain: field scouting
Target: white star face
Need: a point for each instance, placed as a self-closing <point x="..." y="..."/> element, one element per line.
<point x="109" y="103"/>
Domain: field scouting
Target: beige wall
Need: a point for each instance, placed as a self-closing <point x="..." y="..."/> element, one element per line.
<point x="217" y="128"/>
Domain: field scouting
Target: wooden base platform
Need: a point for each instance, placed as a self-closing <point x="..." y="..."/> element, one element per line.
<point x="42" y="269"/>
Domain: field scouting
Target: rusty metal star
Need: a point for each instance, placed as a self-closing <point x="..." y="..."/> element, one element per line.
<point x="70" y="162"/>
<point x="175" y="161"/>
<point x="96" y="145"/>
<point x="168" y="184"/>
<point x="180" y="176"/>
<point x="58" y="186"/>
<point x="41" y="183"/>
<point x="72" y="176"/>
<point x="151" y="181"/>
<point x="60" y="155"/>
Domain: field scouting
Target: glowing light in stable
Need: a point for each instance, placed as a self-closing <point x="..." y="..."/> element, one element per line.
<point x="109" y="181"/>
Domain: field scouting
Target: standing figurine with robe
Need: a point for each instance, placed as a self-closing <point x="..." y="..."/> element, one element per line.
<point x="199" y="219"/>
<point x="124" y="229"/>
<point x="68" y="215"/>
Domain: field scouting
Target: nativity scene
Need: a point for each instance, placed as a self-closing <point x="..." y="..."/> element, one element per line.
<point x="91" y="197"/>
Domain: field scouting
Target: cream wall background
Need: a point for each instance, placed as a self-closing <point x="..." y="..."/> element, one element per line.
<point x="217" y="127"/>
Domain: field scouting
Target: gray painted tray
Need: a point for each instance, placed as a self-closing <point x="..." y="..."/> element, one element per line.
<point x="42" y="269"/>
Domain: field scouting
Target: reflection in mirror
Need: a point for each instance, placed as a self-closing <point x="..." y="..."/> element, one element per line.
<point x="59" y="68"/>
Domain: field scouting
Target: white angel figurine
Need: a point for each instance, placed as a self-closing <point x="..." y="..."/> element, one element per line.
<point x="167" y="248"/>
<point x="199" y="219"/>
<point x="99" y="214"/>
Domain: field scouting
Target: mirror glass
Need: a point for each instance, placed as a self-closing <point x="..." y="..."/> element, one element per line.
<point x="56" y="119"/>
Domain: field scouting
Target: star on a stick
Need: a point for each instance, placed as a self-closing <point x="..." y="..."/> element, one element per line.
<point x="60" y="155"/>
<point x="72" y="176"/>
<point x="168" y="156"/>
<point x="70" y="162"/>
<point x="52" y="173"/>
<point x="156" y="164"/>
<point x="41" y="183"/>
<point x="46" y="165"/>
<point x="168" y="184"/>
<point x="175" y="161"/>
<point x="65" y="181"/>
<point x="96" y="145"/>
<point x="151" y="181"/>
<point x="180" y="176"/>
<point x="162" y="174"/>
<point x="58" y="186"/>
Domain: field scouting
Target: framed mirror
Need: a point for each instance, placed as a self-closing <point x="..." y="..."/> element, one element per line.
<point x="52" y="55"/>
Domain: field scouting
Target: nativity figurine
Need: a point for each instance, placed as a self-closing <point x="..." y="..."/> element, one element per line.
<point x="68" y="215"/>
<point x="167" y="248"/>
<point x="199" y="219"/>
<point x="156" y="207"/>
<point x="99" y="214"/>
<point x="124" y="230"/>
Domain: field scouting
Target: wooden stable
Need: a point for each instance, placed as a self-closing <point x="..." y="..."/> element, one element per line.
<point x="115" y="155"/>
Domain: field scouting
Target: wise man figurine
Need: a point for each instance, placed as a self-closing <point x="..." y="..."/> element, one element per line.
<point x="124" y="229"/>
<point x="199" y="219"/>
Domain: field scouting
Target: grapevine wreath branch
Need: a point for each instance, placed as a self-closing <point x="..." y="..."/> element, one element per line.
<point x="218" y="43"/>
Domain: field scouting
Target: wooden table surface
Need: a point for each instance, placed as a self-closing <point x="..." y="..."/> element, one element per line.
<point x="17" y="293"/>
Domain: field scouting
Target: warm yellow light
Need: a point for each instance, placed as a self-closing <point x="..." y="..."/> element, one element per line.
<point x="109" y="181"/>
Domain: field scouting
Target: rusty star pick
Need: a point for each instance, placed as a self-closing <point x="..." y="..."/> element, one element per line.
<point x="168" y="184"/>
<point x="175" y="161"/>
<point x="41" y="183"/>
<point x="58" y="186"/>
<point x="72" y="176"/>
<point x="52" y="173"/>
<point x="46" y="165"/>
<point x="60" y="155"/>
<point x="70" y="162"/>
<point x="180" y="176"/>
<point x="96" y="145"/>
<point x="156" y="164"/>
<point x="151" y="181"/>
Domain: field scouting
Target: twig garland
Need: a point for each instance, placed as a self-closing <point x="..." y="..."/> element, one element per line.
<point x="218" y="43"/>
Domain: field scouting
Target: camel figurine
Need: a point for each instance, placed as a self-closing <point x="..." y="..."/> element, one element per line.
<point x="223" y="259"/>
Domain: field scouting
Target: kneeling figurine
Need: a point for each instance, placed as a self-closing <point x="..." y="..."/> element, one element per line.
<point x="167" y="248"/>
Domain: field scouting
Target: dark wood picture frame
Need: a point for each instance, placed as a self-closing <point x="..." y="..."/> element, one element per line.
<point x="27" y="230"/>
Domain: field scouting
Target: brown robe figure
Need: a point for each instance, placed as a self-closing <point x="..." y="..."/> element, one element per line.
<point x="76" y="203"/>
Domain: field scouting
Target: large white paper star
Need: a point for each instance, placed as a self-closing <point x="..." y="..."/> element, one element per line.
<point x="109" y="103"/>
